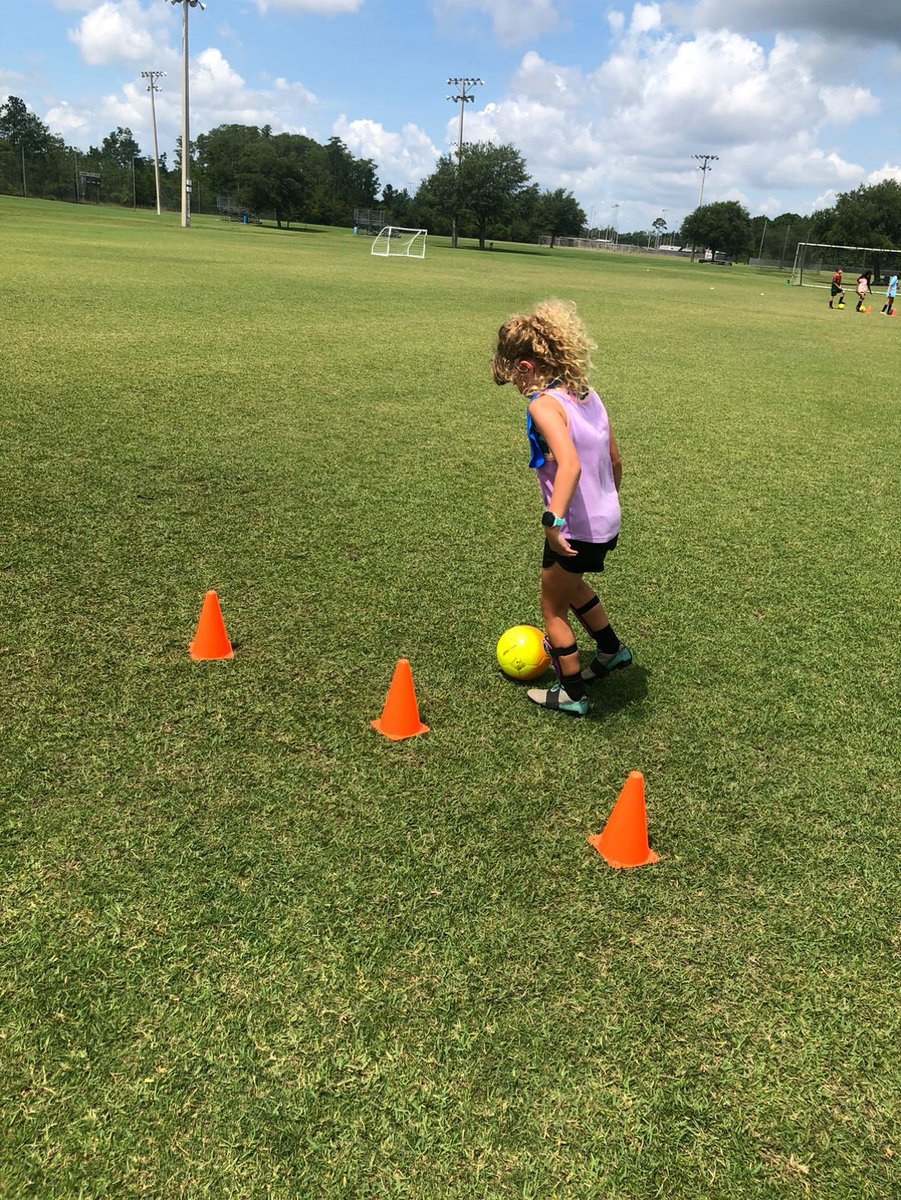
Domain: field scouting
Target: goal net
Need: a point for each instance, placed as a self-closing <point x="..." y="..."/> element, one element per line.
<point x="394" y="242"/>
<point x="816" y="263"/>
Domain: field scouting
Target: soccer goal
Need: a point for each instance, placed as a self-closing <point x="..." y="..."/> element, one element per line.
<point x="394" y="242"/>
<point x="816" y="263"/>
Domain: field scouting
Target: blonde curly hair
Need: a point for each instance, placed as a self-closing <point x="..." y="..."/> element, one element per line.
<point x="553" y="337"/>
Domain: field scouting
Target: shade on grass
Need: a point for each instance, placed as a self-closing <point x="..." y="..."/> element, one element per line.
<point x="250" y="948"/>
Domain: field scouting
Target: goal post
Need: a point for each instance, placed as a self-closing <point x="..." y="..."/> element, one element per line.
<point x="816" y="262"/>
<point x="395" y="242"/>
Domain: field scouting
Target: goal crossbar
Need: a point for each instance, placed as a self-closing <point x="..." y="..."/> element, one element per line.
<point x="814" y="275"/>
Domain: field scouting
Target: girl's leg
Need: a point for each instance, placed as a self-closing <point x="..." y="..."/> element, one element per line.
<point x="611" y="654"/>
<point x="588" y="608"/>
<point x="557" y="590"/>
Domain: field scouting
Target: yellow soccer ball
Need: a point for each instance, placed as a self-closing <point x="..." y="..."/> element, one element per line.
<point x="520" y="654"/>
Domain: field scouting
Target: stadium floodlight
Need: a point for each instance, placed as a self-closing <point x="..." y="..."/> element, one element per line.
<point x="185" y="121"/>
<point x="705" y="160"/>
<point x="153" y="76"/>
<point x="463" y="97"/>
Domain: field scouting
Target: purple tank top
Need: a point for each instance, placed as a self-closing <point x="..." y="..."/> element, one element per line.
<point x="594" y="514"/>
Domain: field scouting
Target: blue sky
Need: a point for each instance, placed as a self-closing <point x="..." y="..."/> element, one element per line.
<point x="798" y="98"/>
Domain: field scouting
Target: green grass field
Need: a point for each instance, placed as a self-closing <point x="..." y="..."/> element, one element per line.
<point x="252" y="949"/>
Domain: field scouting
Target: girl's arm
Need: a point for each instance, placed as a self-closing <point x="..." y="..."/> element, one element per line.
<point x="616" y="461"/>
<point x="548" y="416"/>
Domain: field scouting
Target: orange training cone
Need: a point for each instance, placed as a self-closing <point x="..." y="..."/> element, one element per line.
<point x="211" y="640"/>
<point x="624" y="841"/>
<point x="400" y="716"/>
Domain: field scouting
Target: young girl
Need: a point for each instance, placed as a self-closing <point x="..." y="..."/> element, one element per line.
<point x="890" y="294"/>
<point x="863" y="289"/>
<point x="546" y="354"/>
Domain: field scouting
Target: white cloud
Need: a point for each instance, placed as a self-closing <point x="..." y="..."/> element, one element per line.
<point x="844" y="104"/>
<point x="402" y="159"/>
<point x="513" y="21"/>
<point x="564" y="87"/>
<point x="120" y="31"/>
<point x="625" y="132"/>
<point x="62" y="118"/>
<point x="645" y="17"/>
<point x="884" y="173"/>
<point x="219" y="95"/>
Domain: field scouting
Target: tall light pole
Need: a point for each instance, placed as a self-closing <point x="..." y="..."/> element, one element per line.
<point x="462" y="98"/>
<point x="153" y="76"/>
<point x="705" y="161"/>
<point x="185" y="121"/>
<point x="134" y="182"/>
<point x="615" y="238"/>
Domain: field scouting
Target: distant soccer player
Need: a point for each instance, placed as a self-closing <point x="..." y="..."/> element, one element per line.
<point x="863" y="289"/>
<point x="891" y="293"/>
<point x="837" y="290"/>
<point x="546" y="355"/>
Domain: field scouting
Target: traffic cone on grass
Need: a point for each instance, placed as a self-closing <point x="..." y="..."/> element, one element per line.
<point x="210" y="641"/>
<point x="400" y="716"/>
<point x="624" y="841"/>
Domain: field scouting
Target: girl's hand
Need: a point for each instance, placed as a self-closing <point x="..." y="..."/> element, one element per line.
<point x="559" y="544"/>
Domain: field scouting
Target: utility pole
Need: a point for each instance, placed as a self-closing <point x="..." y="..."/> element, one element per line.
<point x="462" y="98"/>
<point x="705" y="161"/>
<point x="153" y="76"/>
<point x="185" y="118"/>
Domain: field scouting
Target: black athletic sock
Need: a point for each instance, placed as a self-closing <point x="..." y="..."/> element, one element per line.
<point x="573" y="685"/>
<point x="608" y="642"/>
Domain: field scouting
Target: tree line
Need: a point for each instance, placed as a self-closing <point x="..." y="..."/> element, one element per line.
<point x="870" y="215"/>
<point x="485" y="192"/>
<point x="287" y="177"/>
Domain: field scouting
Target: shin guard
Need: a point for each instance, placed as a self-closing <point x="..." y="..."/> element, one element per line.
<point x="580" y="613"/>
<point x="556" y="655"/>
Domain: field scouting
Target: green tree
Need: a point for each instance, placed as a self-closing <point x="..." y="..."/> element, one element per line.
<point x="559" y="214"/>
<point x="722" y="227"/>
<point x="220" y="151"/>
<point x="491" y="179"/>
<point x="26" y="142"/>
<point x="22" y="129"/>
<point x="482" y="189"/>
<point x="118" y="150"/>
<point x="396" y="204"/>
<point x="777" y="237"/>
<point x="868" y="216"/>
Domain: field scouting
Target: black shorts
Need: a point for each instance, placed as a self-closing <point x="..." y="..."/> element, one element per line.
<point x="590" y="556"/>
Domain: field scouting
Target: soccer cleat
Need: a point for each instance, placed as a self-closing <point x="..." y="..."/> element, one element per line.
<point x="558" y="700"/>
<point x="604" y="664"/>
